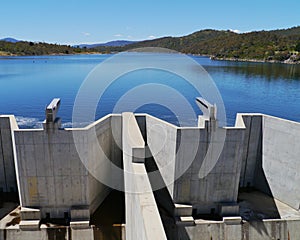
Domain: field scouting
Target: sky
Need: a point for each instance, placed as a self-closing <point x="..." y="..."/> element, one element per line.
<point x="96" y="21"/>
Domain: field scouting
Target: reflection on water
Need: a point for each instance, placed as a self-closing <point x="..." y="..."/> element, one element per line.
<point x="28" y="84"/>
<point x="268" y="71"/>
<point x="268" y="88"/>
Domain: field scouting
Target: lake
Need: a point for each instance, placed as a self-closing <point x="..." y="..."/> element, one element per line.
<point x="28" y="84"/>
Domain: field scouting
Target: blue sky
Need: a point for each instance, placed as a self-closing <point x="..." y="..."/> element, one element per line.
<point x="76" y="21"/>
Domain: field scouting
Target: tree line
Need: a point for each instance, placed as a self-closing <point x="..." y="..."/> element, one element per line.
<point x="24" y="48"/>
<point x="276" y="45"/>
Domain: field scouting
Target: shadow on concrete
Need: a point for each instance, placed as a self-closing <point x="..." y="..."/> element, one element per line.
<point x="57" y="233"/>
<point x="162" y="197"/>
<point x="208" y="217"/>
<point x="110" y="216"/>
<point x="165" y="204"/>
<point x="257" y="203"/>
<point x="8" y="202"/>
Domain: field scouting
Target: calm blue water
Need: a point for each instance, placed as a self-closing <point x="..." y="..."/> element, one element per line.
<point x="28" y="84"/>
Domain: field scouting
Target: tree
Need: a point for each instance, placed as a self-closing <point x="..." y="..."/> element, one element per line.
<point x="297" y="48"/>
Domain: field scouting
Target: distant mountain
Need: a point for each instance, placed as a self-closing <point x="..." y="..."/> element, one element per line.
<point x="8" y="39"/>
<point x="117" y="43"/>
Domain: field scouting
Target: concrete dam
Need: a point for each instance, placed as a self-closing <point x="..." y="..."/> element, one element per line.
<point x="134" y="177"/>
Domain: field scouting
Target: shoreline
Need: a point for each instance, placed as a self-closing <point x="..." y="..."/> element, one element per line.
<point x="51" y="54"/>
<point x="288" y="61"/>
<point x="254" y="60"/>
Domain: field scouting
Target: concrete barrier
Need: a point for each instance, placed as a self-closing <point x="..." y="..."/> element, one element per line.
<point x="142" y="217"/>
<point x="53" y="176"/>
<point x="241" y="230"/>
<point x="179" y="153"/>
<point x="270" y="157"/>
<point x="8" y="181"/>
<point x="54" y="181"/>
<point x="280" y="159"/>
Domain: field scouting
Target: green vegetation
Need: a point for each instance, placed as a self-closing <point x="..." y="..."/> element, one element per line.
<point x="277" y="45"/>
<point x="30" y="48"/>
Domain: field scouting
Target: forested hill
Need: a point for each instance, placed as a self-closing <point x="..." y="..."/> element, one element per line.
<point x="276" y="45"/>
<point x="23" y="48"/>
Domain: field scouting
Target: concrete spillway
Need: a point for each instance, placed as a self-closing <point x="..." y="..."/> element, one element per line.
<point x="179" y="182"/>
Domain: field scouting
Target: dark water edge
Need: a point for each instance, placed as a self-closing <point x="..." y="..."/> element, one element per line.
<point x="254" y="60"/>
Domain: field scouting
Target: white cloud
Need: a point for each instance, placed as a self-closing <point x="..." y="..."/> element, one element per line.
<point x="86" y="34"/>
<point x="118" y="35"/>
<point x="235" y="30"/>
<point x="151" y="37"/>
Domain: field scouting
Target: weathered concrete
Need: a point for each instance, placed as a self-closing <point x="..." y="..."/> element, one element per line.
<point x="64" y="176"/>
<point x="209" y="111"/>
<point x="29" y="225"/>
<point x="80" y="213"/>
<point x="270" y="157"/>
<point x="11" y="228"/>
<point x="251" y="147"/>
<point x="54" y="177"/>
<point x="51" y="233"/>
<point x="30" y="214"/>
<point x="8" y="181"/>
<point x="183" y="210"/>
<point x="142" y="216"/>
<point x="262" y="230"/>
<point x="179" y="153"/>
<point x="280" y="159"/>
<point x="80" y="225"/>
<point x="52" y="110"/>
<point x="256" y="228"/>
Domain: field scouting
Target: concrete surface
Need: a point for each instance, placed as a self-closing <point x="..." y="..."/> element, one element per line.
<point x="11" y="228"/>
<point x="256" y="206"/>
<point x="179" y="153"/>
<point x="280" y="159"/>
<point x="251" y="148"/>
<point x="58" y="174"/>
<point x="30" y="214"/>
<point x="8" y="181"/>
<point x="141" y="212"/>
<point x="270" y="159"/>
<point x="51" y="173"/>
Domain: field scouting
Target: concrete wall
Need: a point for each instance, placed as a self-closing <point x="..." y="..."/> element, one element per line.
<point x="54" y="233"/>
<point x="183" y="151"/>
<point x="262" y="230"/>
<point x="270" y="157"/>
<point x="251" y="148"/>
<point x="8" y="181"/>
<point x="161" y="140"/>
<point x="281" y="158"/>
<point x="52" y="175"/>
<point x="260" y="151"/>
<point x="221" y="183"/>
<point x="142" y="217"/>
<point x="106" y="161"/>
